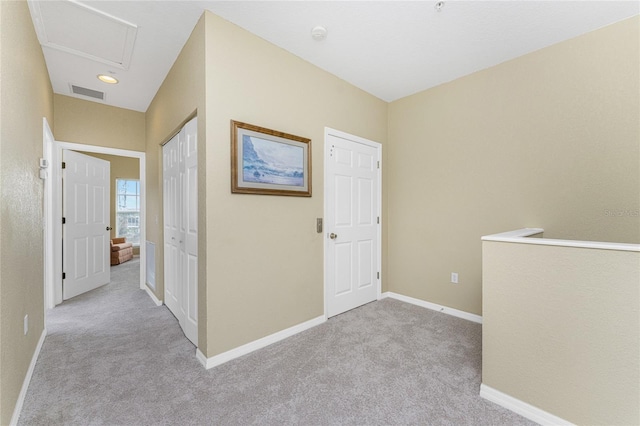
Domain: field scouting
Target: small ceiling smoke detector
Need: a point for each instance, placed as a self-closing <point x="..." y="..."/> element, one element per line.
<point x="319" y="33"/>
<point x="439" y="5"/>
<point x="107" y="79"/>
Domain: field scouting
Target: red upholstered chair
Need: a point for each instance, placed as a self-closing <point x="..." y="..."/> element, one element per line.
<point x="121" y="250"/>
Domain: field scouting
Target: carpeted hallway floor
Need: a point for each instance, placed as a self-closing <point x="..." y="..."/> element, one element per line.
<point x="112" y="357"/>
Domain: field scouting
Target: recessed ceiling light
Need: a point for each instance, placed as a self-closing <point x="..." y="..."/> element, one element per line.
<point x="107" y="79"/>
<point x="319" y="33"/>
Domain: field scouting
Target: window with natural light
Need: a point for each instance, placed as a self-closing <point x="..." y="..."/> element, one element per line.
<point x="128" y="210"/>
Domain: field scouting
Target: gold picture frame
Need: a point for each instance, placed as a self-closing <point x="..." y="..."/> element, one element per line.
<point x="269" y="162"/>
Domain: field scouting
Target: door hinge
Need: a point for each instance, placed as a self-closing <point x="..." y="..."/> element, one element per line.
<point x="64" y="276"/>
<point x="64" y="165"/>
<point x="64" y="220"/>
<point x="378" y="219"/>
<point x="378" y="275"/>
<point x="378" y="164"/>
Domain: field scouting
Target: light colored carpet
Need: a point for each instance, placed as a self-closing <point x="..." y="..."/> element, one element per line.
<point x="113" y="358"/>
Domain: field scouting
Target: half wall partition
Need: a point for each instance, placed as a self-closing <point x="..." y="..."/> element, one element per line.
<point x="561" y="328"/>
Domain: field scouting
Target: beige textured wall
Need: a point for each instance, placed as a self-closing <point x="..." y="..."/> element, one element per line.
<point x="241" y="303"/>
<point x="181" y="95"/>
<point x="265" y="259"/>
<point x="92" y="123"/>
<point x="121" y="168"/>
<point x="561" y="330"/>
<point x="26" y="97"/>
<point x="550" y="140"/>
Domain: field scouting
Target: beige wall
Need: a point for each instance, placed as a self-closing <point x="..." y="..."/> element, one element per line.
<point x="26" y="97"/>
<point x="260" y="257"/>
<point x="181" y="95"/>
<point x="561" y="330"/>
<point x="120" y="168"/>
<point x="264" y="257"/>
<point x="550" y="140"/>
<point x="92" y="123"/>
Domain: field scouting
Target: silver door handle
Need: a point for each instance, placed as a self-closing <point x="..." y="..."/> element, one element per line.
<point x="333" y="236"/>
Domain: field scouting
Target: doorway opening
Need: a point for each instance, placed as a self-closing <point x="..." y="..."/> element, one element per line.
<point x="53" y="213"/>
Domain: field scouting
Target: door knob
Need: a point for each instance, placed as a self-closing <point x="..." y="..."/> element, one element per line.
<point x="109" y="228"/>
<point x="333" y="236"/>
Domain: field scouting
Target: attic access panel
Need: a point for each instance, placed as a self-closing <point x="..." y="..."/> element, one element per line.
<point x="84" y="31"/>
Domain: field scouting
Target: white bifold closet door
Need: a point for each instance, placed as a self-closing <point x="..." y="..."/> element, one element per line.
<point x="180" y="209"/>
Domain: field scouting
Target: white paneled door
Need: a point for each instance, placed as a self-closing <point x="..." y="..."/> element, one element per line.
<point x="352" y="218"/>
<point x="180" y="198"/>
<point x="171" y="186"/>
<point x="86" y="228"/>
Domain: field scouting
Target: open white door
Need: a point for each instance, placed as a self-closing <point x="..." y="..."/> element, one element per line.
<point x="180" y="199"/>
<point x="85" y="211"/>
<point x="352" y="218"/>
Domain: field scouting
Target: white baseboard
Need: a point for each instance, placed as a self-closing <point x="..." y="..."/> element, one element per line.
<point x="433" y="306"/>
<point x="153" y="297"/>
<point x="520" y="407"/>
<point x="256" y="344"/>
<point x="27" y="379"/>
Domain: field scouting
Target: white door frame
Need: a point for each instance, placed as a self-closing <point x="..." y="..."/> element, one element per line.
<point x="53" y="216"/>
<point x="337" y="133"/>
<point x="49" y="246"/>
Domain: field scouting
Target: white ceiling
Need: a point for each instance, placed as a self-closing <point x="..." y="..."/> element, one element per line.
<point x="390" y="49"/>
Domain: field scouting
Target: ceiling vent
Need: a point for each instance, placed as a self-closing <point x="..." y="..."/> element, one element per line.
<point x="81" y="30"/>
<point x="95" y="94"/>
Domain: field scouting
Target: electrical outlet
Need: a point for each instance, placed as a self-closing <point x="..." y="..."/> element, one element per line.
<point x="454" y="277"/>
<point x="26" y="324"/>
